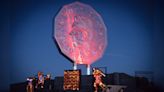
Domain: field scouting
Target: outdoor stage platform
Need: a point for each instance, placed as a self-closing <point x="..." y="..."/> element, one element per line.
<point x="133" y="84"/>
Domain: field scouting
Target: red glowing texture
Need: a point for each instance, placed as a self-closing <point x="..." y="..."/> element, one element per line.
<point x="80" y="33"/>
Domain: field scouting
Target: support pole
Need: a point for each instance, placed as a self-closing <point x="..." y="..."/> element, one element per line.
<point x="74" y="66"/>
<point x="88" y="70"/>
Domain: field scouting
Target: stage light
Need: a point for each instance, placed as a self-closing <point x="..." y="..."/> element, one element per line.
<point x="72" y="79"/>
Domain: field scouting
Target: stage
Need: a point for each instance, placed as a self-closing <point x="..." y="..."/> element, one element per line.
<point x="115" y="82"/>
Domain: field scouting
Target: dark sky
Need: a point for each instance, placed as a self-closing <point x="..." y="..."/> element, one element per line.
<point x="134" y="30"/>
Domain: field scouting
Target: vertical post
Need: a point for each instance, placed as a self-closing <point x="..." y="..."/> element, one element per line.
<point x="88" y="70"/>
<point x="74" y="66"/>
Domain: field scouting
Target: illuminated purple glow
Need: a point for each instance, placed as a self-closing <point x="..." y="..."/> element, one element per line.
<point x="80" y="33"/>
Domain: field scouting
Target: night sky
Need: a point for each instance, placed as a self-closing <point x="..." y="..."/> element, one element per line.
<point x="134" y="29"/>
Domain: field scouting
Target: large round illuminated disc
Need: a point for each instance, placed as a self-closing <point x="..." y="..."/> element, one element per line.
<point x="80" y="33"/>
